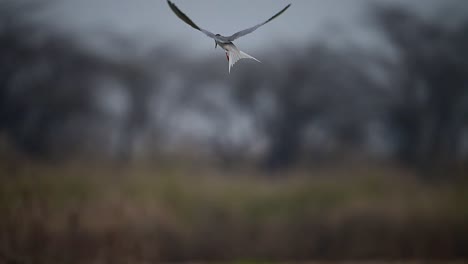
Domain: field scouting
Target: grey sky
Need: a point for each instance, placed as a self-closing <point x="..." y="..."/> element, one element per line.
<point x="151" y="22"/>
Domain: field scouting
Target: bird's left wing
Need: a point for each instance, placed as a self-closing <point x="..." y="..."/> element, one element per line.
<point x="252" y="29"/>
<point x="187" y="20"/>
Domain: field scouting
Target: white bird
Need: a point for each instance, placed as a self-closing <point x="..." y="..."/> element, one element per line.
<point x="233" y="54"/>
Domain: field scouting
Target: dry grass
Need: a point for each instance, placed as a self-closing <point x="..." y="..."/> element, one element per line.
<point x="143" y="214"/>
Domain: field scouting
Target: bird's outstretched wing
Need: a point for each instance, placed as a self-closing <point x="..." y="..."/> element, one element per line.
<point x="252" y="29"/>
<point x="187" y="20"/>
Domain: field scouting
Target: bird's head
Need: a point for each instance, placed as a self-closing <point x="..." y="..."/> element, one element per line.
<point x="216" y="43"/>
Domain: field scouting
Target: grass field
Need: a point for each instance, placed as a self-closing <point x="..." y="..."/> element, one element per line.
<point x="79" y="213"/>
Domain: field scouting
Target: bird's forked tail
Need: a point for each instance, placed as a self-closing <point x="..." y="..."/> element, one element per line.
<point x="234" y="55"/>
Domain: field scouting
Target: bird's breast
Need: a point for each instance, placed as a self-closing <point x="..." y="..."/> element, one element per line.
<point x="224" y="46"/>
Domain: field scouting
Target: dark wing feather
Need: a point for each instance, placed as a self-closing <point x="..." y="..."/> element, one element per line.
<point x="252" y="29"/>
<point x="187" y="20"/>
<point x="181" y="15"/>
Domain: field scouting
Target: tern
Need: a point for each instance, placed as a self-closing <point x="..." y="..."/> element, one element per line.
<point x="233" y="54"/>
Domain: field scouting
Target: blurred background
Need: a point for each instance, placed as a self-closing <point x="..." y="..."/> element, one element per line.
<point x="123" y="138"/>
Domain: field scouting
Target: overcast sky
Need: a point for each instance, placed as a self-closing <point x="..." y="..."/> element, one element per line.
<point x="151" y="22"/>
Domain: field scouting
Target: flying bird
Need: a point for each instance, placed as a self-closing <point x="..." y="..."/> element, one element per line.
<point x="233" y="54"/>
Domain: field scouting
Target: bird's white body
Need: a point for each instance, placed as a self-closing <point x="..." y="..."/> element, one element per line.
<point x="233" y="54"/>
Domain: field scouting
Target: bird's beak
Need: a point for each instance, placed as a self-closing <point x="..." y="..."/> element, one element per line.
<point x="216" y="44"/>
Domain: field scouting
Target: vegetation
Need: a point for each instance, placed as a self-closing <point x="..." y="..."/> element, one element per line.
<point x="139" y="214"/>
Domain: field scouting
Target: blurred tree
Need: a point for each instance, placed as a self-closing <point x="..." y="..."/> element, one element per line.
<point x="434" y="77"/>
<point x="48" y="85"/>
<point x="58" y="96"/>
<point x="335" y="92"/>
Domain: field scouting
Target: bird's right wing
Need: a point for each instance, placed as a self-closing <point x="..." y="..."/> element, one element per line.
<point x="187" y="20"/>
<point x="252" y="29"/>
